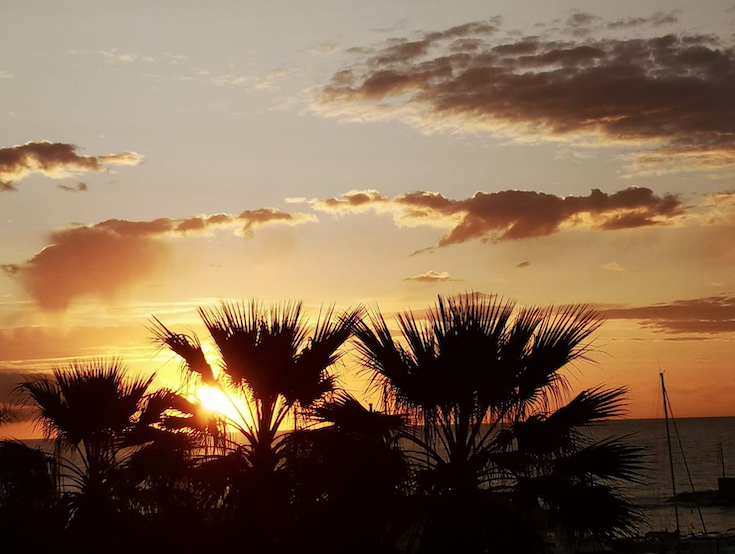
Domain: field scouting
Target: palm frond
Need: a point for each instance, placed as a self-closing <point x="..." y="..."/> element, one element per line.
<point x="559" y="340"/>
<point x="591" y="406"/>
<point x="43" y="394"/>
<point x="612" y="515"/>
<point x="346" y="413"/>
<point x="609" y="459"/>
<point x="187" y="347"/>
<point x="8" y="414"/>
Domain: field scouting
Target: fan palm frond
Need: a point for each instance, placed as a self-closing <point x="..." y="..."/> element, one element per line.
<point x="186" y="347"/>
<point x="485" y="380"/>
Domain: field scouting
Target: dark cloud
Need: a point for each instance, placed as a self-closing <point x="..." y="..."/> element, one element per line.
<point x="263" y="216"/>
<point x="514" y="214"/>
<point x="201" y="223"/>
<point x="523" y="264"/>
<point x="670" y="94"/>
<point x="703" y="316"/>
<point x="80" y="187"/>
<point x="658" y="19"/>
<point x="103" y="259"/>
<point x="402" y="50"/>
<point x="581" y="24"/>
<point x="431" y="277"/>
<point x="54" y="160"/>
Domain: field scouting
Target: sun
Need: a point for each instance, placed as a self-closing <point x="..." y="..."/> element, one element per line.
<point x="213" y="399"/>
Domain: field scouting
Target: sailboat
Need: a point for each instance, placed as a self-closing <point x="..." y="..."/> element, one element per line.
<point x="674" y="541"/>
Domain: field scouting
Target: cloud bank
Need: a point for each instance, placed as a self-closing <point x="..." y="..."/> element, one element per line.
<point x="103" y="259"/>
<point x="513" y="214"/>
<point x="668" y="96"/>
<point x="56" y="160"/>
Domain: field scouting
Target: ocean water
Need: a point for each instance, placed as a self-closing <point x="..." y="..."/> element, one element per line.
<point x="699" y="441"/>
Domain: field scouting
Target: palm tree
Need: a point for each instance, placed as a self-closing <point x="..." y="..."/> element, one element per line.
<point x="27" y="499"/>
<point x="348" y="470"/>
<point x="269" y="358"/>
<point x="499" y="457"/>
<point x="103" y="423"/>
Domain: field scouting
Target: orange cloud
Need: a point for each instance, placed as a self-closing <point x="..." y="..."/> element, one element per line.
<point x="513" y="214"/>
<point x="89" y="261"/>
<point x="670" y="93"/>
<point x="702" y="316"/>
<point x="55" y="160"/>
<point x="102" y="259"/>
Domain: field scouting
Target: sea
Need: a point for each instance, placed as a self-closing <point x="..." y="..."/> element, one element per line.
<point x="703" y="449"/>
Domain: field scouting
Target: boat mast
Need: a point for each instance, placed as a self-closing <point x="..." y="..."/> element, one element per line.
<point x="671" y="457"/>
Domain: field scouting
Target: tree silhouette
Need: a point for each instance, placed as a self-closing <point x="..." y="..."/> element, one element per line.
<point x="28" y="500"/>
<point x="499" y="457"/>
<point x="103" y="423"/>
<point x="348" y="470"/>
<point x="271" y="360"/>
<point x="479" y="445"/>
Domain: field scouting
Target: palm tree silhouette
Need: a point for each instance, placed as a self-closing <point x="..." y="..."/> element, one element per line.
<point x="28" y="500"/>
<point x="499" y="457"/>
<point x="103" y="424"/>
<point x="271" y="360"/>
<point x="349" y="470"/>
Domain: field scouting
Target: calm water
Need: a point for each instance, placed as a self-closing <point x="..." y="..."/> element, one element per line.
<point x="700" y="438"/>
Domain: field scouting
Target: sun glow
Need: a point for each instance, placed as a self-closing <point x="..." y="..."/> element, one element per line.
<point x="215" y="400"/>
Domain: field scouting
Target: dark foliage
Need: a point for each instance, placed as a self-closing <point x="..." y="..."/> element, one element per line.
<point x="478" y="447"/>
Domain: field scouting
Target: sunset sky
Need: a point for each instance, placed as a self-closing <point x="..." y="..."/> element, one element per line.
<point x="160" y="156"/>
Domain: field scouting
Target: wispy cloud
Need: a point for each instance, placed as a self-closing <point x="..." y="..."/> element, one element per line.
<point x="55" y="160"/>
<point x="115" y="56"/>
<point x="612" y="266"/>
<point x="669" y="96"/>
<point x="104" y="259"/>
<point x="512" y="214"/>
<point x="326" y="48"/>
<point x="80" y="187"/>
<point x="6" y="74"/>
<point x="720" y="209"/>
<point x="432" y="277"/>
<point x="267" y="82"/>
